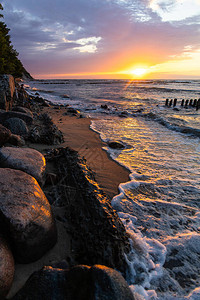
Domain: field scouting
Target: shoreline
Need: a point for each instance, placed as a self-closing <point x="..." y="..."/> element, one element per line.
<point x="108" y="174"/>
<point x="79" y="136"/>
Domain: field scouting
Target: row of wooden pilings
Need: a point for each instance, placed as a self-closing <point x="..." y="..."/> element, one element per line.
<point x="184" y="103"/>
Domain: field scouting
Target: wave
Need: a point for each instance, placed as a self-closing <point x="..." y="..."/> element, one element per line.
<point x="179" y="128"/>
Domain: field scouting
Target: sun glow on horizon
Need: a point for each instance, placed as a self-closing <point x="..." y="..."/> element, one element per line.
<point x="139" y="72"/>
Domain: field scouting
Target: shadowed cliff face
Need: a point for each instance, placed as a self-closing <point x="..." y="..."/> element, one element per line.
<point x="98" y="235"/>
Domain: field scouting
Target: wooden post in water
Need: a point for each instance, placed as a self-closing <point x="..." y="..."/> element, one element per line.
<point x="175" y="101"/>
<point x="198" y="104"/>
<point x="170" y="103"/>
<point x="191" y="102"/>
<point x="166" y="102"/>
<point x="186" y="103"/>
<point x="182" y="102"/>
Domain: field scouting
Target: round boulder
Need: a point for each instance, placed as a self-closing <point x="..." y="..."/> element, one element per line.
<point x="7" y="268"/>
<point x="16" y="126"/>
<point x="26" y="215"/>
<point x="25" y="159"/>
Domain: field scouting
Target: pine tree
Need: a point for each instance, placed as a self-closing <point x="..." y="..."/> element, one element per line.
<point x="9" y="63"/>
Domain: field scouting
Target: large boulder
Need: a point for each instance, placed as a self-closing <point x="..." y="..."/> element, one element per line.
<point x="25" y="159"/>
<point x="7" y="268"/>
<point x="25" y="215"/>
<point x="17" y="126"/>
<point x="23" y="110"/>
<point x="79" y="283"/>
<point x="46" y="284"/>
<point x="15" y="114"/>
<point x="7" y="90"/>
<point x="4" y="135"/>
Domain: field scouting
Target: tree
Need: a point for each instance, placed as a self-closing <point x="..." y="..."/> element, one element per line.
<point x="9" y="62"/>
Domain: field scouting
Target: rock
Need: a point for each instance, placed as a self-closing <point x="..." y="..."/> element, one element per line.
<point x="14" y="114"/>
<point x="17" y="126"/>
<point x="25" y="159"/>
<point x="16" y="140"/>
<point x="26" y="216"/>
<point x="123" y="114"/>
<point x="79" y="276"/>
<point x="23" y="110"/>
<point x="72" y="110"/>
<point x="39" y="100"/>
<point x="116" y="145"/>
<point x="97" y="282"/>
<point x="79" y="283"/>
<point x="7" y="90"/>
<point x="109" y="284"/>
<point x="4" y="135"/>
<point x="46" y="284"/>
<point x="65" y="96"/>
<point x="7" y="268"/>
<point x="104" y="106"/>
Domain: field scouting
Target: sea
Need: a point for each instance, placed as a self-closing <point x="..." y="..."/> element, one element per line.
<point x="160" y="204"/>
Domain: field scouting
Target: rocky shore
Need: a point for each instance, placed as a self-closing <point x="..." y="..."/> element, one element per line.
<point x="60" y="237"/>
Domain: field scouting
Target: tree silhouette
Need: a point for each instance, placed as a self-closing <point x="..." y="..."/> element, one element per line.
<point x="9" y="62"/>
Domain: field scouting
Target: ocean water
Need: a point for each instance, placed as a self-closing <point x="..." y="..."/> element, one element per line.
<point x="160" y="205"/>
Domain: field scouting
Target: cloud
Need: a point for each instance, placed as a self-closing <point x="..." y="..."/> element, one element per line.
<point x="94" y="36"/>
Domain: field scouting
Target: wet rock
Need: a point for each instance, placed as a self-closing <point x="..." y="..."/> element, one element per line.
<point x="46" y="284"/>
<point x="65" y="96"/>
<point x="7" y="268"/>
<point x="25" y="159"/>
<point x="7" y="91"/>
<point x="25" y="215"/>
<point x="104" y="106"/>
<point x="14" y="114"/>
<point x="71" y="110"/>
<point x="5" y="134"/>
<point x="116" y="145"/>
<point x="17" y="126"/>
<point x="16" y="140"/>
<point x="123" y="114"/>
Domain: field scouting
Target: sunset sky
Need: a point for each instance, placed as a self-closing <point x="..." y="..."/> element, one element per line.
<point x="106" y="38"/>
